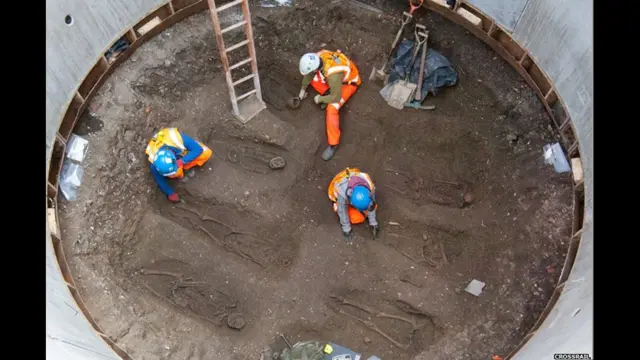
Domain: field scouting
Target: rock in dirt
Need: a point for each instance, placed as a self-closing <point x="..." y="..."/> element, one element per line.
<point x="468" y="198"/>
<point x="293" y="103"/>
<point x="235" y="321"/>
<point x="277" y="163"/>
<point x="512" y="137"/>
<point x="129" y="135"/>
<point x="367" y="340"/>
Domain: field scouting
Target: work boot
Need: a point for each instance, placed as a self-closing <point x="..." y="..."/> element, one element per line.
<point x="329" y="152"/>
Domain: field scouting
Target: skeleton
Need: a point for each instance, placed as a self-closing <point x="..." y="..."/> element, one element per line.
<point x="181" y="282"/>
<point x="381" y="315"/>
<point x="224" y="242"/>
<point x="416" y="186"/>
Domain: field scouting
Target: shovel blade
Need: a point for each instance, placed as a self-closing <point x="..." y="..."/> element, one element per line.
<point x="400" y="93"/>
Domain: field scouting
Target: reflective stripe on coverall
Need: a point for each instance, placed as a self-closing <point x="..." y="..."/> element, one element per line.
<point x="333" y="63"/>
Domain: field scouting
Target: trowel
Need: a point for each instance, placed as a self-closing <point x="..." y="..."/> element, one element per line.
<point x="401" y="91"/>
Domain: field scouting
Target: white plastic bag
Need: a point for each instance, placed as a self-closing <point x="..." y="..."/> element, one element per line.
<point x="77" y="148"/>
<point x="553" y="155"/>
<point x="70" y="179"/>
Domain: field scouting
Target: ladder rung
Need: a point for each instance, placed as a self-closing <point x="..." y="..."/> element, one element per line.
<point x="237" y="46"/>
<point x="244" y="79"/>
<point x="235" y="66"/>
<point x="228" y="5"/>
<point x="234" y="26"/>
<point x="246" y="94"/>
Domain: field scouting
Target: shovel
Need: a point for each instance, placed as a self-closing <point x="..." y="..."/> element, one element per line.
<point x="423" y="59"/>
<point x="402" y="91"/>
<point x="382" y="72"/>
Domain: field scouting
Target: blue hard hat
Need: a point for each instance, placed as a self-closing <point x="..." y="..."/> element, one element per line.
<point x="165" y="162"/>
<point x="361" y="197"/>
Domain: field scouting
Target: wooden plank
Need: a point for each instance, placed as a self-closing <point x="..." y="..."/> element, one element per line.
<point x="486" y="22"/>
<point x="576" y="167"/>
<point x="247" y="94"/>
<point x="228" y="5"/>
<point x="70" y="117"/>
<point x="52" y="220"/>
<point x="236" y="46"/>
<point x="551" y="97"/>
<point x="62" y="262"/>
<point x="578" y="209"/>
<point x="573" y="148"/>
<point x="52" y="191"/>
<point x="149" y="25"/>
<point x="539" y="78"/>
<point x="182" y="4"/>
<point x="92" y="78"/>
<point x="131" y="36"/>
<point x="243" y="62"/>
<point x="152" y="20"/>
<point x="234" y="26"/>
<point x="250" y="76"/>
<point x="510" y="45"/>
<point x="57" y="158"/>
<point x="470" y="17"/>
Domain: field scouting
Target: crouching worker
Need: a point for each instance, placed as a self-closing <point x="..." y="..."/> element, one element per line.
<point x="353" y="195"/>
<point x="171" y="153"/>
<point x="335" y="77"/>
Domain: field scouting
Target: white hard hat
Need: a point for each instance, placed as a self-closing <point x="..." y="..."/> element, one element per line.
<point x="309" y="62"/>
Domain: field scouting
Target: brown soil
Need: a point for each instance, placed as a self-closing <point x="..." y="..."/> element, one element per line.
<point x="253" y="252"/>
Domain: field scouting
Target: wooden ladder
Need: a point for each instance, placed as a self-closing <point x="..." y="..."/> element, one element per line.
<point x="249" y="104"/>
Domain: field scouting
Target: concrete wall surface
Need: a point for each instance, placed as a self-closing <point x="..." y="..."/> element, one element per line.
<point x="72" y="50"/>
<point x="504" y="12"/>
<point x="558" y="35"/>
<point x="69" y="335"/>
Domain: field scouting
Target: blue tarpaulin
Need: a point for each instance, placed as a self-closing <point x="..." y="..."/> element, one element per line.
<point x="438" y="71"/>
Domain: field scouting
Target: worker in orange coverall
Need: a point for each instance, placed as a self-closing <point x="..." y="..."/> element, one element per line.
<point x="352" y="193"/>
<point x="336" y="79"/>
<point x="171" y="153"/>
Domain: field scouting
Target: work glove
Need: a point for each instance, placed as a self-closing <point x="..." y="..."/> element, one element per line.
<point x="348" y="236"/>
<point x="303" y="94"/>
<point x="180" y="163"/>
<point x="316" y="99"/>
<point x="375" y="229"/>
<point x="174" y="197"/>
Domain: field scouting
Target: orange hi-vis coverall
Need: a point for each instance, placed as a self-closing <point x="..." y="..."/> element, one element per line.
<point x="338" y="188"/>
<point x="182" y="145"/>
<point x="335" y="62"/>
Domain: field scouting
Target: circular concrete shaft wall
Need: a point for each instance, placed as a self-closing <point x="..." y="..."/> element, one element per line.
<point x="549" y="43"/>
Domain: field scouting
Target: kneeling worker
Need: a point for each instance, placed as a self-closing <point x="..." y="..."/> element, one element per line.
<point x="335" y="78"/>
<point x="171" y="152"/>
<point x="353" y="195"/>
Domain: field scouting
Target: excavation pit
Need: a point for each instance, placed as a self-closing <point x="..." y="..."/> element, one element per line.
<point x="261" y="249"/>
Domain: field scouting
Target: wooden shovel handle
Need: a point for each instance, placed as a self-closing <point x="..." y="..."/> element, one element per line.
<point x="423" y="58"/>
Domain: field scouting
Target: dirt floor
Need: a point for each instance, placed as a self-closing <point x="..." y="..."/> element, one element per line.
<point x="254" y="252"/>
